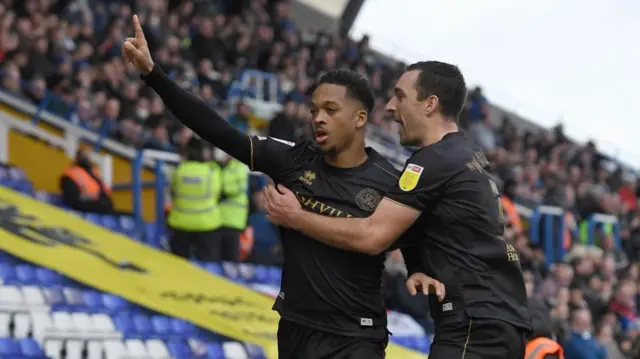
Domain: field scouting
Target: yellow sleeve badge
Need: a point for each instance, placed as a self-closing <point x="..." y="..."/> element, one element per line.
<point x="410" y="177"/>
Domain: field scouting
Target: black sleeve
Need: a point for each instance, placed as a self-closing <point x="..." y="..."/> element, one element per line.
<point x="274" y="156"/>
<point x="198" y="116"/>
<point x="422" y="180"/>
<point x="411" y="256"/>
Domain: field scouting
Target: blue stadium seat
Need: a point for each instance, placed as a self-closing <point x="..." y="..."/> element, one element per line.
<point x="182" y="328"/>
<point x="179" y="349"/>
<point x="75" y="298"/>
<point x="47" y="277"/>
<point x="214" y="268"/>
<point x="124" y="324"/>
<point x="275" y="275"/>
<point x="5" y="182"/>
<point x="417" y="343"/>
<point x="8" y="258"/>
<point x="126" y="224"/>
<point x="26" y="274"/>
<point x="232" y="272"/>
<point x="422" y="344"/>
<point x="215" y="351"/>
<point x="54" y="298"/>
<point x="55" y="199"/>
<point x="17" y="174"/>
<point x="247" y="272"/>
<point x="93" y="301"/>
<point x="4" y="173"/>
<point x="24" y="187"/>
<point x="151" y="234"/>
<point x="161" y="325"/>
<point x="110" y="222"/>
<point x="9" y="348"/>
<point x="261" y="274"/>
<point x="42" y="196"/>
<point x="93" y="218"/>
<point x="31" y="349"/>
<point x="255" y="351"/>
<point x="7" y="274"/>
<point x="114" y="303"/>
<point x="143" y="325"/>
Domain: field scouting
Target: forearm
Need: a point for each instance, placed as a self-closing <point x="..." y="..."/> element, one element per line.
<point x="198" y="116"/>
<point x="412" y="261"/>
<point x="353" y="234"/>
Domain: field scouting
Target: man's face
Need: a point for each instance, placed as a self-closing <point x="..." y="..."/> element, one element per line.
<point x="406" y="109"/>
<point x="336" y="118"/>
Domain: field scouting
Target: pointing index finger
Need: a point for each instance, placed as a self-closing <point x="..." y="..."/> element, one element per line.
<point x="138" y="29"/>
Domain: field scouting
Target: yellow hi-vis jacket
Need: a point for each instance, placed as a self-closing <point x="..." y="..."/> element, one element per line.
<point x="196" y="190"/>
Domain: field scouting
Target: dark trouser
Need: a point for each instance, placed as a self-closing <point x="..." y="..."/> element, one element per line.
<point x="228" y="245"/>
<point x="296" y="341"/>
<point x="469" y="338"/>
<point x="201" y="244"/>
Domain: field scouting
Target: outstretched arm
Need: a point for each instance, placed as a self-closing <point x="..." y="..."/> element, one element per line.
<point x="189" y="109"/>
<point x="371" y="235"/>
<point x="199" y="116"/>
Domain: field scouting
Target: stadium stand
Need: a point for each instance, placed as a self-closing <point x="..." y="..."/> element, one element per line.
<point x="573" y="212"/>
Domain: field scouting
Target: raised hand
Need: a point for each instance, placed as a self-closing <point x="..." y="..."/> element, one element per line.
<point x="136" y="51"/>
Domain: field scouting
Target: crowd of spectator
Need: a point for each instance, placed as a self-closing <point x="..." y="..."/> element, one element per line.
<point x="588" y="300"/>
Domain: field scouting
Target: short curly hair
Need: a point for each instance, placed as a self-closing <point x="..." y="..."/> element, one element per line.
<point x="357" y="87"/>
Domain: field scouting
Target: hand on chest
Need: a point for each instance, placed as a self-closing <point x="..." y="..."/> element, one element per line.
<point x="334" y="196"/>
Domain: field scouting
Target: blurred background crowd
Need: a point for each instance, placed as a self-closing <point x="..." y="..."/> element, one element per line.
<point x="587" y="299"/>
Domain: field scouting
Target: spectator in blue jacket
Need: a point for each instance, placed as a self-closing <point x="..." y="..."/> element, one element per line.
<point x="580" y="344"/>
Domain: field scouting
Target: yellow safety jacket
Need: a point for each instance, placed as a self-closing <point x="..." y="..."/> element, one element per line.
<point x="235" y="197"/>
<point x="196" y="190"/>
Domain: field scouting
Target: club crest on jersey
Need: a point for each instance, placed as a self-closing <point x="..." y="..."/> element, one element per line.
<point x="410" y="177"/>
<point x="368" y="199"/>
<point x="308" y="177"/>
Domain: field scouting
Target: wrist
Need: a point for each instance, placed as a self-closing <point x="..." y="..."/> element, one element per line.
<point x="148" y="69"/>
<point x="296" y="219"/>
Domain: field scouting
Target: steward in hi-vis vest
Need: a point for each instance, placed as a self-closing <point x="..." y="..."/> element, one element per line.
<point x="82" y="186"/>
<point x="543" y="348"/>
<point x="195" y="211"/>
<point x="234" y="204"/>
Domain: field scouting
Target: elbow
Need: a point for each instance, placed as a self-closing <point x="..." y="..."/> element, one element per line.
<point x="374" y="249"/>
<point x="373" y="241"/>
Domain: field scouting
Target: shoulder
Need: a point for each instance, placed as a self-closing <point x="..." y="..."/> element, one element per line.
<point x="453" y="152"/>
<point x="382" y="169"/>
<point x="280" y="145"/>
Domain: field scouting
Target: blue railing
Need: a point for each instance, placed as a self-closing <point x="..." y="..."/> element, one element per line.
<point x="547" y="229"/>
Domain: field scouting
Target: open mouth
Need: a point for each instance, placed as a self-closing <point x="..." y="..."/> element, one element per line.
<point x="321" y="136"/>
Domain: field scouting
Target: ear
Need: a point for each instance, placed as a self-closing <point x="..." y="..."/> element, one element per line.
<point x="431" y="104"/>
<point x="361" y="118"/>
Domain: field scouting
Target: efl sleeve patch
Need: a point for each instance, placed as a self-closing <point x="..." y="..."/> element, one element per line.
<point x="410" y="177"/>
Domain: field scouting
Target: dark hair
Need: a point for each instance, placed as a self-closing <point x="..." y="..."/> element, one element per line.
<point x="357" y="87"/>
<point x="444" y="81"/>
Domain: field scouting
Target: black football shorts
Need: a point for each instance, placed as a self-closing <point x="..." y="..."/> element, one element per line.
<point x="461" y="337"/>
<point x="296" y="341"/>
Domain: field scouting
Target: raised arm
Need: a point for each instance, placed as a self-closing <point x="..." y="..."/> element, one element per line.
<point x="200" y="117"/>
<point x="189" y="109"/>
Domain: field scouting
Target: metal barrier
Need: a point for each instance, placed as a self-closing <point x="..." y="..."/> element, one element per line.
<point x="552" y="221"/>
<point x="160" y="159"/>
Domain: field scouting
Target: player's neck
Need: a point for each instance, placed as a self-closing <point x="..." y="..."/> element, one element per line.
<point x="352" y="157"/>
<point x="436" y="134"/>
